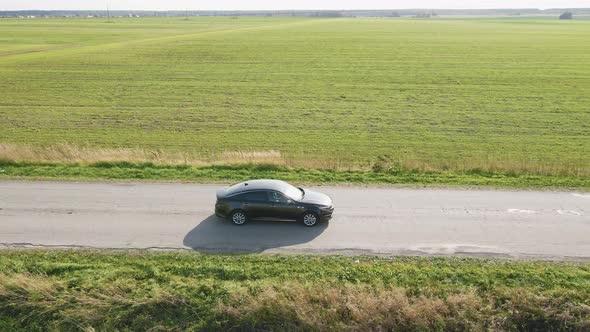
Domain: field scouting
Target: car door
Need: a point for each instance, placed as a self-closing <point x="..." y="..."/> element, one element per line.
<point x="283" y="207"/>
<point x="256" y="204"/>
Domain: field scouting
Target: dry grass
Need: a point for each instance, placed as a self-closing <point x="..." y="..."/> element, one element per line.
<point x="68" y="154"/>
<point x="293" y="306"/>
<point x="355" y="308"/>
<point x="43" y="298"/>
<point x="23" y="286"/>
<point x="239" y="157"/>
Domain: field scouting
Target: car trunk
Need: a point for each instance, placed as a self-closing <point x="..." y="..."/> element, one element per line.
<point x="221" y="193"/>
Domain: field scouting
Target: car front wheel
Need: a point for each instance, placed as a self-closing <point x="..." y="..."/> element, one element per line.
<point x="238" y="217"/>
<point x="310" y="219"/>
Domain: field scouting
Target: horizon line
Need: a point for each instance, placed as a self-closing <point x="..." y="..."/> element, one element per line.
<point x="339" y="9"/>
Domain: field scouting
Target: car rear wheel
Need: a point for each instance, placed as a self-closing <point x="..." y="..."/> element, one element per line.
<point x="238" y="217"/>
<point x="310" y="219"/>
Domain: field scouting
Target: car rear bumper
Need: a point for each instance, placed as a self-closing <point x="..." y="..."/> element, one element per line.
<point x="221" y="210"/>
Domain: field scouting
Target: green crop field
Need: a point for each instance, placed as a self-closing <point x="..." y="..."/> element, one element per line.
<point x="499" y="95"/>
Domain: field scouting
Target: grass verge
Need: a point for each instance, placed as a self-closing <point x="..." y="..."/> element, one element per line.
<point x="232" y="173"/>
<point x="77" y="290"/>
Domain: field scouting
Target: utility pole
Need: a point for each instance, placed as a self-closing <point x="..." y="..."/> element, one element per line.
<point x="108" y="14"/>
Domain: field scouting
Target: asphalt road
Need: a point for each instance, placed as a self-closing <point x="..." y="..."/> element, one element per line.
<point x="367" y="220"/>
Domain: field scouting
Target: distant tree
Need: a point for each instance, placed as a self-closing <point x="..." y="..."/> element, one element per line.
<point x="330" y="13"/>
<point x="394" y="14"/>
<point x="566" y="16"/>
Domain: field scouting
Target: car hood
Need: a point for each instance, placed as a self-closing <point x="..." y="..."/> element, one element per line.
<point x="314" y="197"/>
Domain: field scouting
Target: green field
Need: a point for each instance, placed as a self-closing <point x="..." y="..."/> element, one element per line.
<point x="453" y="95"/>
<point x="138" y="291"/>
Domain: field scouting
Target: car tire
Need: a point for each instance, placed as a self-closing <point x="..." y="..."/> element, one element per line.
<point x="238" y="217"/>
<point x="310" y="219"/>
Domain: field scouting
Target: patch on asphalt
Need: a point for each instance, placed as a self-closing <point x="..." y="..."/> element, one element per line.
<point x="569" y="212"/>
<point x="453" y="249"/>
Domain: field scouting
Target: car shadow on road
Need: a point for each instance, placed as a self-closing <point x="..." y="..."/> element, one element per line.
<point x="217" y="235"/>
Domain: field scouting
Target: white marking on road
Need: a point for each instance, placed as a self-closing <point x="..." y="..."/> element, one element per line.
<point x="521" y="211"/>
<point x="581" y="195"/>
<point x="569" y="212"/>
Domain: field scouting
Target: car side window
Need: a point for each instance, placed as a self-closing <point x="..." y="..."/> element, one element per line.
<point x="276" y="197"/>
<point x="255" y="196"/>
<point x="238" y="197"/>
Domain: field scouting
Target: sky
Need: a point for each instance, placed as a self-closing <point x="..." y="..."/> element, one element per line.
<point x="284" y="4"/>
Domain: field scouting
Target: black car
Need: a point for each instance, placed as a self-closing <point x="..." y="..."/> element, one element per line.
<point x="272" y="200"/>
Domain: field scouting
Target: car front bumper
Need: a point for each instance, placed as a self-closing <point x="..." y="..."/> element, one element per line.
<point x="326" y="214"/>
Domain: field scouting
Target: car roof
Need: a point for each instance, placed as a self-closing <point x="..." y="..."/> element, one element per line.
<point x="257" y="185"/>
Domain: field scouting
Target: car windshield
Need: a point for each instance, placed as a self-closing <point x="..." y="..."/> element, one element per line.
<point x="294" y="192"/>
